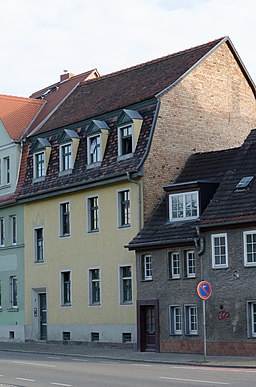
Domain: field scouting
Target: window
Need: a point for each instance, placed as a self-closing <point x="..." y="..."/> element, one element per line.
<point x="94" y="149"/>
<point x="126" y="284"/>
<point x="13" y="292"/>
<point x="13" y="226"/>
<point x="190" y="264"/>
<point x="39" y="165"/>
<point x="175" y="315"/>
<point x="0" y="295"/>
<point x="146" y="267"/>
<point x="2" y="232"/>
<point x="250" y="248"/>
<point x="184" y="206"/>
<point x="39" y="245"/>
<point x="125" y="140"/>
<point x="66" y="157"/>
<point x="94" y="291"/>
<point x="251" y="318"/>
<point x="219" y="251"/>
<point x="93" y="214"/>
<point x="66" y="288"/>
<point x="191" y="323"/>
<point x="174" y="264"/>
<point x="124" y="208"/>
<point x="65" y="219"/>
<point x="7" y="179"/>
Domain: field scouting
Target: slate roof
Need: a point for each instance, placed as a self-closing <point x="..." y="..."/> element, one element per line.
<point x="18" y="113"/>
<point x="158" y="231"/>
<point x="126" y="87"/>
<point x="56" y="93"/>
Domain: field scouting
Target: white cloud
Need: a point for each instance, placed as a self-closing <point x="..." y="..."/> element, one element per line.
<point x="41" y="39"/>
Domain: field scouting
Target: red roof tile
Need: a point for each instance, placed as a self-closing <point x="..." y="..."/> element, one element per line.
<point x="18" y="113"/>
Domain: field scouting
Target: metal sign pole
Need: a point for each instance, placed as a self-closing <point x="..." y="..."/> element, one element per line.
<point x="204" y="330"/>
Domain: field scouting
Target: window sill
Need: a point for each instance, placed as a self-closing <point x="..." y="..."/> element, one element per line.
<point x="38" y="179"/>
<point x="39" y="262"/>
<point x="93" y="231"/>
<point x="124" y="157"/>
<point x="94" y="165"/>
<point x="126" y="303"/>
<point x="66" y="305"/>
<point x="220" y="267"/>
<point x="65" y="235"/>
<point x="66" y="172"/>
<point x="147" y="279"/>
<point x="124" y="226"/>
<point x="95" y="304"/>
<point x="5" y="186"/>
<point x="13" y="309"/>
<point x="250" y="264"/>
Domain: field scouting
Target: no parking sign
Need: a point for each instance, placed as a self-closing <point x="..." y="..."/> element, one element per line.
<point x="204" y="290"/>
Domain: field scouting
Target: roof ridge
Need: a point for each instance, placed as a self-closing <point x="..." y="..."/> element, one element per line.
<point x="152" y="61"/>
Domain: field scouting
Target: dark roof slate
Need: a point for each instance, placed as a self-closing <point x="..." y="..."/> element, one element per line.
<point x="126" y="87"/>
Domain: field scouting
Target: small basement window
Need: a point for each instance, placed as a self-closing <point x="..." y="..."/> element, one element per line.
<point x="126" y="337"/>
<point x="95" y="336"/>
<point x="66" y="336"/>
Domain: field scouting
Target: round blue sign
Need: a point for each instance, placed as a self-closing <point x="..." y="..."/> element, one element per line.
<point x="204" y="290"/>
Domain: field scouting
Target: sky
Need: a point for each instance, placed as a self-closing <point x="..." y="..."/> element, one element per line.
<point x="41" y="39"/>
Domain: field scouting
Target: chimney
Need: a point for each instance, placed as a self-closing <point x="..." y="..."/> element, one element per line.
<point x="66" y="76"/>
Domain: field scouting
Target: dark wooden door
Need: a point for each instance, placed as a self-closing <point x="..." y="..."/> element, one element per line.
<point x="148" y="330"/>
<point x="42" y="316"/>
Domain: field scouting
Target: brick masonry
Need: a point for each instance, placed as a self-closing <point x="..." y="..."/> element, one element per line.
<point x="212" y="108"/>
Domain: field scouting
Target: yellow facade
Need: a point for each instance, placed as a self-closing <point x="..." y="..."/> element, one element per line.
<point x="78" y="253"/>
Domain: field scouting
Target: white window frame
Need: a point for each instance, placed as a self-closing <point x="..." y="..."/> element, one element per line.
<point x="39" y="167"/>
<point x="98" y="149"/>
<point x="2" y="232"/>
<point x="127" y="209"/>
<point x="213" y="238"/>
<point x="89" y="214"/>
<point x="172" y="268"/>
<point x="123" y="278"/>
<point x="62" y="287"/>
<point x="91" y="282"/>
<point x="251" y="318"/>
<point x="36" y="244"/>
<point x="188" y="253"/>
<point x="183" y="196"/>
<point x="120" y="140"/>
<point x="173" y="322"/>
<point x="188" y="319"/>
<point x="13" y="305"/>
<point x="146" y="260"/>
<point x="61" y="214"/>
<point x="7" y="170"/>
<point x="70" y="157"/>
<point x="253" y="252"/>
<point x="13" y="230"/>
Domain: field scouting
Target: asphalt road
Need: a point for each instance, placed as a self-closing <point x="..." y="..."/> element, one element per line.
<point x="22" y="369"/>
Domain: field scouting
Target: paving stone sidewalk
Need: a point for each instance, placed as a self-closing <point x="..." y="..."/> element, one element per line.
<point x="126" y="354"/>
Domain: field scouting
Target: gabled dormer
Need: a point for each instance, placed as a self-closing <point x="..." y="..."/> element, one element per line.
<point x="41" y="156"/>
<point x="187" y="201"/>
<point x="128" y="126"/>
<point x="69" y="142"/>
<point x="97" y="137"/>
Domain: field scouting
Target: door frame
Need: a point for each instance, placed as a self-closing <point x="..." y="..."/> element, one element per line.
<point x="36" y="311"/>
<point x="140" y="305"/>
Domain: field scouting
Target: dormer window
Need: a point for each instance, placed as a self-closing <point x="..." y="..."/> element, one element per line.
<point x="184" y="206"/>
<point x="69" y="141"/>
<point x="97" y="136"/>
<point x="129" y="125"/>
<point x="41" y="156"/>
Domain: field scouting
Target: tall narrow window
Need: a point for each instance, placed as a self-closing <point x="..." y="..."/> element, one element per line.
<point x="66" y="157"/>
<point x="66" y="288"/>
<point x="190" y="264"/>
<point x="219" y="251"/>
<point x="0" y="294"/>
<point x="39" y="245"/>
<point x="93" y="214"/>
<point x="126" y="284"/>
<point x="2" y="232"/>
<point x="175" y="320"/>
<point x="125" y="140"/>
<point x="65" y="219"/>
<point x="174" y="264"/>
<point x="146" y="267"/>
<point x="124" y="208"/>
<point x="39" y="160"/>
<point x="250" y="248"/>
<point x="191" y="320"/>
<point x="94" y="149"/>
<point x="251" y="318"/>
<point x="94" y="291"/>
<point x="13" y="292"/>
<point x="7" y="170"/>
<point x="13" y="225"/>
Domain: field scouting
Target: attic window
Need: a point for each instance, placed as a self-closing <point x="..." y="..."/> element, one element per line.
<point x="47" y="92"/>
<point x="97" y="136"/>
<point x="41" y="154"/>
<point x="184" y="206"/>
<point x="244" y="182"/>
<point x="69" y="141"/>
<point x="129" y="124"/>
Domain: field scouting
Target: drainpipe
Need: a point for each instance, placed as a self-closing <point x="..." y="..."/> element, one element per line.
<point x="139" y="197"/>
<point x="199" y="242"/>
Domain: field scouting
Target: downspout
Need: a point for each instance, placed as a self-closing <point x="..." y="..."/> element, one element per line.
<point x="139" y="197"/>
<point x="200" y="244"/>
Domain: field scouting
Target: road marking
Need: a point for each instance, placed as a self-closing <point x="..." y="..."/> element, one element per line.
<point x="108" y="362"/>
<point x="34" y="364"/>
<point x="193" y="380"/>
<point x="26" y="380"/>
<point x="83" y="360"/>
<point x="215" y="368"/>
<point x="53" y="357"/>
<point x="142" y="365"/>
<point x="61" y="384"/>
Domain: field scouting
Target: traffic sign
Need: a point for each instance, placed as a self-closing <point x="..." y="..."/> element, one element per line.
<point x="204" y="290"/>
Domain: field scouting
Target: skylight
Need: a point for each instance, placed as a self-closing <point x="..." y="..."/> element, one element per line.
<point x="244" y="182"/>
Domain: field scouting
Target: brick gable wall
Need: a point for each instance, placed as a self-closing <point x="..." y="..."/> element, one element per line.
<point x="212" y="108"/>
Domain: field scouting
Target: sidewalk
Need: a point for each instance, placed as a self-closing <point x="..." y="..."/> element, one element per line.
<point x="85" y="350"/>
